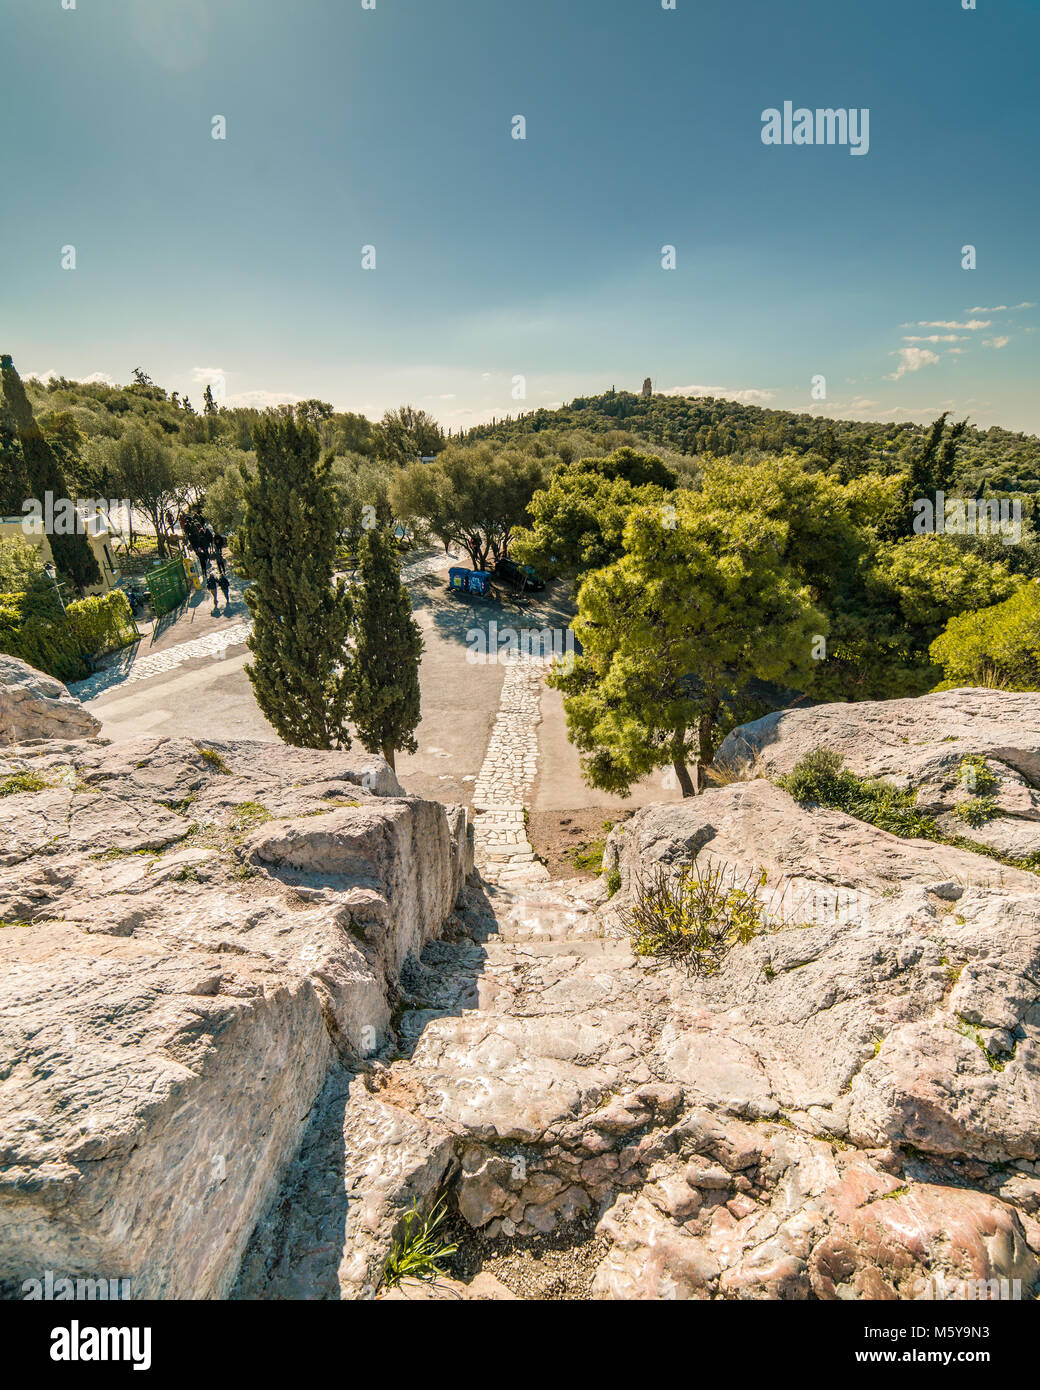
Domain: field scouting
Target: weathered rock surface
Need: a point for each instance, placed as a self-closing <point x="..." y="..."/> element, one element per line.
<point x="238" y="1050"/>
<point x="850" y="1107"/>
<point x="360" y="1168"/>
<point x="484" y="1288"/>
<point x="191" y="938"/>
<point x="920" y="744"/>
<point x="34" y="705"/>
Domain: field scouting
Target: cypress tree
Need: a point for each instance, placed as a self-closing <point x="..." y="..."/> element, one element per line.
<point x="14" y="480"/>
<point x="42" y="473"/>
<point x="387" y="651"/>
<point x="300" y="672"/>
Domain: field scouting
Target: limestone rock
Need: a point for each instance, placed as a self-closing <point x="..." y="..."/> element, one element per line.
<point x="919" y="744"/>
<point x="36" y="706"/>
<point x="191" y="937"/>
<point x="483" y="1288"/>
<point x="926" y="1242"/>
<point x="894" y="739"/>
<point x="271" y="1059"/>
<point x="361" y="1166"/>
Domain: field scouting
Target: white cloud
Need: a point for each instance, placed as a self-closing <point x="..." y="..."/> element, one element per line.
<point x="995" y="342"/>
<point x="261" y="400"/>
<point x="912" y="412"/>
<point x="205" y="374"/>
<point x="912" y="359"/>
<point x="1003" y="308"/>
<point x="94" y="379"/>
<point x="748" y="395"/>
<point x="972" y="324"/>
<point x="934" y="338"/>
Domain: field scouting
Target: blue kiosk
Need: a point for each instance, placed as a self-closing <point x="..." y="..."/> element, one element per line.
<point x="469" y="581"/>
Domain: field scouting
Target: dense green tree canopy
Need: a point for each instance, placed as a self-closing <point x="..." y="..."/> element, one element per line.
<point x="471" y="498"/>
<point x="406" y="434"/>
<point x="699" y="604"/>
<point x="996" y="646"/>
<point x="578" y="519"/>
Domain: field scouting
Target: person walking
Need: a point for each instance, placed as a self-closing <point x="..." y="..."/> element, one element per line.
<point x="196" y="538"/>
<point x="222" y="580"/>
<point x="212" y="580"/>
<point x="219" y="543"/>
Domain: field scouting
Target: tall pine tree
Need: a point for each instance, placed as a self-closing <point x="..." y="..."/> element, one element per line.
<point x="40" y="473"/>
<point x="300" y="672"/>
<point x="388" y="649"/>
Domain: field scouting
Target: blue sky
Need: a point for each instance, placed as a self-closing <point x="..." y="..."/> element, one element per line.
<point x="498" y="258"/>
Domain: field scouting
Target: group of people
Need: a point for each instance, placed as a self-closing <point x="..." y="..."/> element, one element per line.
<point x="209" y="546"/>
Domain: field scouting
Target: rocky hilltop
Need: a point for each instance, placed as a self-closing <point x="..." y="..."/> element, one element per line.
<point x="256" y="1006"/>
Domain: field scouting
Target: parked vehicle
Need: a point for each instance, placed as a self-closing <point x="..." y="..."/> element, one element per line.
<point x="520" y="577"/>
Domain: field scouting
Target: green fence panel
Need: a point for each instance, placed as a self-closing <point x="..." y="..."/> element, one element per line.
<point x="168" y="586"/>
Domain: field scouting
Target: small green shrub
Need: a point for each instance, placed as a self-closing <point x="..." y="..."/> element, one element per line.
<point x="33" y="629"/>
<point x="588" y="857"/>
<point x="214" y="759"/>
<point x="613" y="881"/>
<point x="821" y="779"/>
<point x="102" y="623"/>
<point x="693" y="918"/>
<point x="974" y="773"/>
<point x="419" y="1252"/>
<point x="22" y="782"/>
<point x="977" y="810"/>
<point x="248" y="814"/>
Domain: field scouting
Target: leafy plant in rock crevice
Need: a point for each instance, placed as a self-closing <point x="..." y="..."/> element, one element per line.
<point x="977" y="810"/>
<point x="692" y="917"/>
<point x="419" y="1251"/>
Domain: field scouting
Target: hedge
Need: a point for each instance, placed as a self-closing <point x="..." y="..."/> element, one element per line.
<point x="103" y="623"/>
<point x="33" y="629"/>
<point x="46" y="642"/>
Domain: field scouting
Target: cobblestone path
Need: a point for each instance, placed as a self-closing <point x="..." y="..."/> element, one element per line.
<point x="505" y="779"/>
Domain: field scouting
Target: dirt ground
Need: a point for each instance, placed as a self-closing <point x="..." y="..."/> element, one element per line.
<point x="558" y="1266"/>
<point x="570" y="843"/>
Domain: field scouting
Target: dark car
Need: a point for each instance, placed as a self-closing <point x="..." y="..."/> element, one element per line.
<point x="521" y="577"/>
